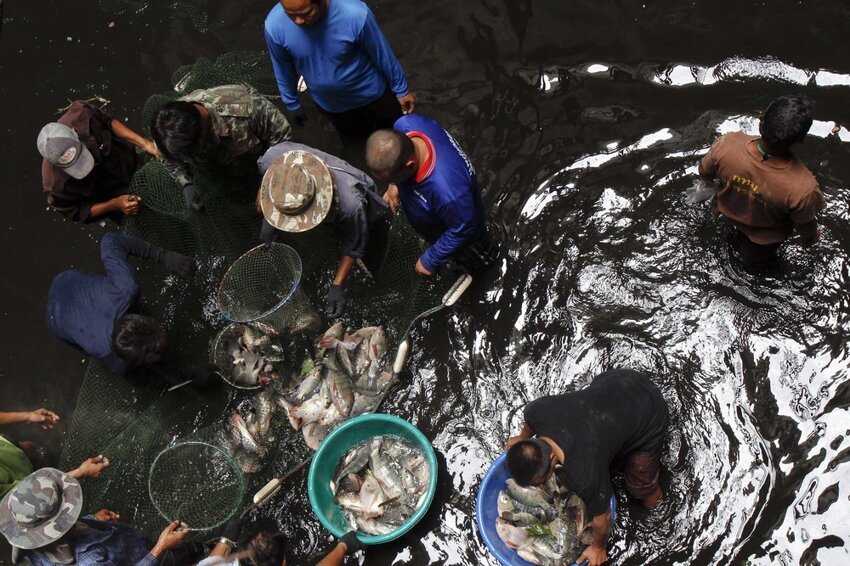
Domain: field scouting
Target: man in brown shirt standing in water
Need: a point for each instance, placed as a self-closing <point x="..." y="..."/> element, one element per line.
<point x="766" y="192"/>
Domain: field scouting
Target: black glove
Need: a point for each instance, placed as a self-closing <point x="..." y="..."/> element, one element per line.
<point x="298" y="117"/>
<point x="233" y="530"/>
<point x="182" y="265"/>
<point x="351" y="542"/>
<point x="192" y="198"/>
<point x="336" y="301"/>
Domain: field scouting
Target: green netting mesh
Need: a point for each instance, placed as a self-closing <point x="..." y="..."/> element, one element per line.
<point x="197" y="483"/>
<point x="133" y="424"/>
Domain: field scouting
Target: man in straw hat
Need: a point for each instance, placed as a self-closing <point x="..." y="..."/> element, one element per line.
<point x="89" y="161"/>
<point x="303" y="187"/>
<point x="41" y="520"/>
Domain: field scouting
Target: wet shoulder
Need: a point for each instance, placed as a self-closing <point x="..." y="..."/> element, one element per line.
<point x="227" y="100"/>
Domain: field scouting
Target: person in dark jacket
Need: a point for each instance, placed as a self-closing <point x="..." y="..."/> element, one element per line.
<point x="93" y="312"/>
<point x="89" y="161"/>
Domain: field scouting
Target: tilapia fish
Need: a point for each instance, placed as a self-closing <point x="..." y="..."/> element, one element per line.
<point x="541" y="525"/>
<point x="252" y="356"/>
<point x="380" y="483"/>
<point x="346" y="379"/>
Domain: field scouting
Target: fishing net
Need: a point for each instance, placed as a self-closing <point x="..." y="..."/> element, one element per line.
<point x="133" y="423"/>
<point x="262" y="287"/>
<point x="197" y="483"/>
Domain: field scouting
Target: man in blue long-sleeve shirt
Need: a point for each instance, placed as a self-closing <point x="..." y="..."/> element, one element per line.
<point x="92" y="312"/>
<point x="350" y="69"/>
<point x="435" y="183"/>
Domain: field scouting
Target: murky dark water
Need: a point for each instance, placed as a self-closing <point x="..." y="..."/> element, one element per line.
<point x="585" y="121"/>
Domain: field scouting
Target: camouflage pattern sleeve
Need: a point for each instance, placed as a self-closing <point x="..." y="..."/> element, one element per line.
<point x="180" y="172"/>
<point x="269" y="123"/>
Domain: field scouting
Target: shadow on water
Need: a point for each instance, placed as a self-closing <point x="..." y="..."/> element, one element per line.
<point x="585" y="121"/>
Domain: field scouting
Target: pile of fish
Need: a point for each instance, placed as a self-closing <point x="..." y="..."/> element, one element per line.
<point x="346" y="379"/>
<point x="543" y="526"/>
<point x="380" y="483"/>
<point x="252" y="356"/>
<point x="247" y="438"/>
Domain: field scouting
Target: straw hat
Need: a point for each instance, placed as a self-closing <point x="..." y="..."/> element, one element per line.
<point x="296" y="192"/>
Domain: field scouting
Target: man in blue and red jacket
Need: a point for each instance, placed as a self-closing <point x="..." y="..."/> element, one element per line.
<point x="434" y="181"/>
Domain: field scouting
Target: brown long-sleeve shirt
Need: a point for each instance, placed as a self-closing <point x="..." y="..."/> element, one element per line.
<point x="115" y="163"/>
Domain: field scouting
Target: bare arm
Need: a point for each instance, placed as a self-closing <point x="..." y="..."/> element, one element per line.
<point x="524" y="434"/>
<point x="122" y="132"/>
<point x="335" y="557"/>
<point x="43" y="417"/>
<point x="595" y="554"/>
<point x="344" y="268"/>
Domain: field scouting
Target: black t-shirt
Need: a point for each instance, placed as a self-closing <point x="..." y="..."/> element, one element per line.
<point x="621" y="411"/>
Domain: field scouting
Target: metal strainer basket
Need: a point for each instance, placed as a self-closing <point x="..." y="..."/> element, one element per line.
<point x="262" y="286"/>
<point x="197" y="483"/>
<point x="220" y="355"/>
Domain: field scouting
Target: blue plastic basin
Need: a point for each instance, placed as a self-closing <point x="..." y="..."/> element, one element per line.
<point x="486" y="513"/>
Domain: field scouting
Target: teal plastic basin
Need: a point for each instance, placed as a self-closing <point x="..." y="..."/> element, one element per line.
<point x="336" y="445"/>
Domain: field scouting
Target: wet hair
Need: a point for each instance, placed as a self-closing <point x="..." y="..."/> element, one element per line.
<point x="786" y="120"/>
<point x="387" y="151"/>
<point x="266" y="544"/>
<point x="138" y="339"/>
<point x="528" y="460"/>
<point x="176" y="129"/>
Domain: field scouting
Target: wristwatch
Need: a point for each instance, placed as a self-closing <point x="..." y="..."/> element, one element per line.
<point x="228" y="542"/>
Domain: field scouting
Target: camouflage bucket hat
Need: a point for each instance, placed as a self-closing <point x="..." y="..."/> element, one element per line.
<point x="297" y="192"/>
<point x="41" y="509"/>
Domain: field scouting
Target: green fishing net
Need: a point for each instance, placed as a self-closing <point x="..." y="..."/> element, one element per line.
<point x="133" y="424"/>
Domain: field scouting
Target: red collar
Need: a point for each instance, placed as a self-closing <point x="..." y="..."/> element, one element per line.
<point x="426" y="167"/>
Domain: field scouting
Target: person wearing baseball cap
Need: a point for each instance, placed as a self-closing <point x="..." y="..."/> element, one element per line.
<point x="88" y="163"/>
<point x="303" y="187"/>
<point x="41" y="520"/>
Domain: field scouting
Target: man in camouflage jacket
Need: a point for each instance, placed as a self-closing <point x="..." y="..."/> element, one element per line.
<point x="221" y="126"/>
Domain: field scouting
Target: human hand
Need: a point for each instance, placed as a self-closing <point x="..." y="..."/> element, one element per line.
<point x="809" y="241"/>
<point x="298" y="117"/>
<point x="336" y="300"/>
<point x="43" y="417"/>
<point x="594" y="555"/>
<point x="407" y="102"/>
<point x="169" y="538"/>
<point x="420" y="269"/>
<point x="351" y="542"/>
<point x="192" y="198"/>
<point x="513" y="440"/>
<point x="127" y="204"/>
<point x="91" y="468"/>
<point x="106" y="515"/>
<point x="392" y="199"/>
<point x="149" y="147"/>
<point x="182" y="265"/>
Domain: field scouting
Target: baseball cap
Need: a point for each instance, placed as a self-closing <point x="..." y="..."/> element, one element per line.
<point x="61" y="146"/>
